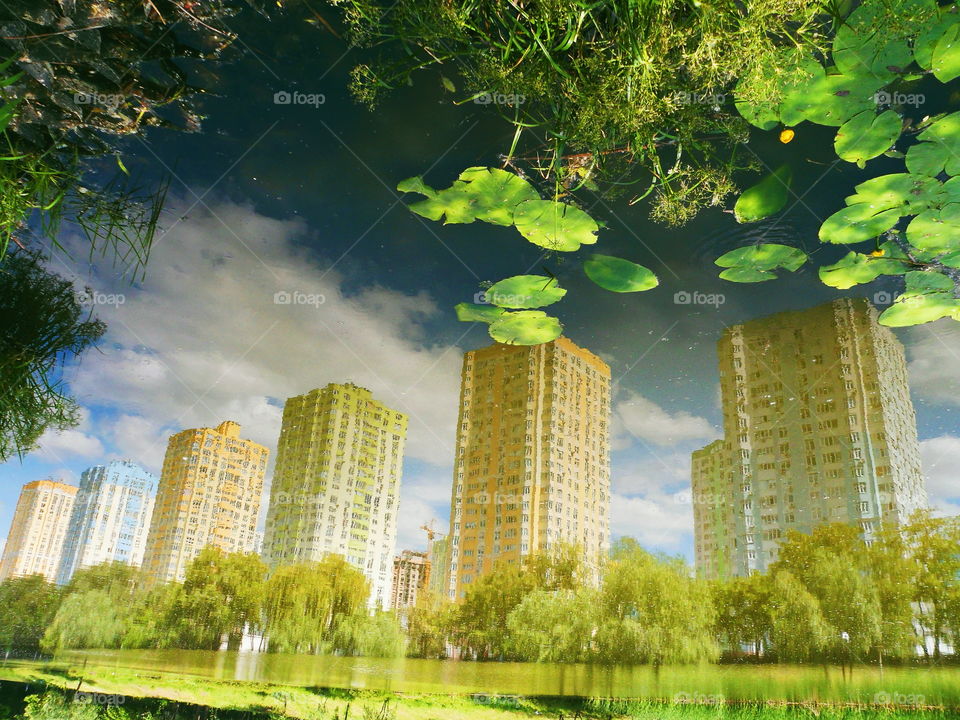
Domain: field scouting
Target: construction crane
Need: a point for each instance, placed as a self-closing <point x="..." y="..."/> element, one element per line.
<point x="431" y="534"/>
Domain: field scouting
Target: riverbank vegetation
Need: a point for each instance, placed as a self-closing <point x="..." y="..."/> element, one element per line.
<point x="829" y="598"/>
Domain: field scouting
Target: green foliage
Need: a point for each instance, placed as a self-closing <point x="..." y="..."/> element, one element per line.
<point x="27" y="606"/>
<point x="743" y="611"/>
<point x="525" y="327"/>
<point x="553" y="625"/>
<point x="525" y="291"/>
<point x="595" y="90"/>
<point x="44" y="327"/>
<point x="798" y="630"/>
<point x="86" y="619"/>
<point x="755" y="263"/>
<point x="377" y="635"/>
<point x="619" y="275"/>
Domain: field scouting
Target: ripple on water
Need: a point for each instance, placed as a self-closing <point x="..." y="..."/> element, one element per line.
<point x="726" y="236"/>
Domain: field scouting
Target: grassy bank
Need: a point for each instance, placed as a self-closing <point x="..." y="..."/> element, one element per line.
<point x="172" y="696"/>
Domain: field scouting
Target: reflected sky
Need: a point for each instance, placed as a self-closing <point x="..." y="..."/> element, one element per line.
<point x="300" y="198"/>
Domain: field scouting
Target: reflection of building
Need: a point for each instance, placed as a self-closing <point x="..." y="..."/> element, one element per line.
<point x="439" y="567"/>
<point x="411" y="573"/>
<point x="209" y="494"/>
<point x="532" y="458"/>
<point x="336" y="486"/>
<point x="110" y="519"/>
<point x="819" y="427"/>
<point x="35" y="542"/>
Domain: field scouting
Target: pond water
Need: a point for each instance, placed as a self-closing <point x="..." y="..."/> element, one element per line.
<point x="705" y="683"/>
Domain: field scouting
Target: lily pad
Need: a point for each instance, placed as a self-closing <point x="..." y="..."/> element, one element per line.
<point x="926" y="158"/>
<point x="857" y="223"/>
<point x="525" y="291"/>
<point x="936" y="229"/>
<point x="928" y="297"/>
<point x="945" y="62"/>
<point x="619" y="275"/>
<point x="944" y="133"/>
<point x="908" y="192"/>
<point x="927" y="40"/>
<point x="856" y="269"/>
<point x="833" y="99"/>
<point x="555" y="225"/>
<point x="747" y="275"/>
<point x="480" y="193"/>
<point x="525" y="327"/>
<point x="755" y="263"/>
<point x="473" y="312"/>
<point x="867" y="135"/>
<point x="765" y="198"/>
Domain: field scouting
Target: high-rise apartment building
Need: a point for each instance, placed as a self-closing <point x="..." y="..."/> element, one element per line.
<point x="819" y="427"/>
<point x="336" y="485"/>
<point x="439" y="582"/>
<point x="411" y="574"/>
<point x="532" y="466"/>
<point x="209" y="494"/>
<point x="110" y="519"/>
<point x="35" y="542"/>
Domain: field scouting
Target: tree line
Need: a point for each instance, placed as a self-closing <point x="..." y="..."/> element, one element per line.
<point x="829" y="597"/>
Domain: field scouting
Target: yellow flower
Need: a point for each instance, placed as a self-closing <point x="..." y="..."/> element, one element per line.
<point x="878" y="253"/>
<point x="786" y="135"/>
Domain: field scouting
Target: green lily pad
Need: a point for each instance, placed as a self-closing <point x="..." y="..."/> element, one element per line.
<point x="472" y="312"/>
<point x="926" y="158"/>
<point x="856" y="269"/>
<point x="834" y="99"/>
<point x="747" y="275"/>
<point x="927" y="40"/>
<point x="765" y="198"/>
<point x="910" y="309"/>
<point x="525" y="327"/>
<point x="793" y="68"/>
<point x="755" y="263"/>
<point x="525" y="291"/>
<point x="487" y="194"/>
<point x="867" y="135"/>
<point x="936" y="229"/>
<point x="944" y="133"/>
<point x="618" y="275"/>
<point x="864" y="45"/>
<point x="946" y="55"/>
<point x="908" y="192"/>
<point x="555" y="225"/>
<point x="857" y="223"/>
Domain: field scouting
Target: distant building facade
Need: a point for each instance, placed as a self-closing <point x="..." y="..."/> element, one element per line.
<point x="336" y="486"/>
<point x="532" y="467"/>
<point x="411" y="574"/>
<point x="110" y="519"/>
<point x="209" y="494"/>
<point x="35" y="542"/>
<point x="439" y="567"/>
<point x="819" y="428"/>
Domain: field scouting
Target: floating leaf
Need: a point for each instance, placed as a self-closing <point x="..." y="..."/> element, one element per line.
<point x="833" y="99"/>
<point x="946" y="55"/>
<point x="796" y="68"/>
<point x="944" y="134"/>
<point x="927" y="40"/>
<point x="754" y="263"/>
<point x="525" y="291"/>
<point x="555" y="225"/>
<point x="480" y="193"/>
<point x="618" y="275"/>
<point x="765" y="198"/>
<point x="867" y="135"/>
<point x="472" y="312"/>
<point x="525" y="327"/>
<point x="936" y="229"/>
<point x="861" y="47"/>
<point x="908" y="192"/>
<point x="928" y="297"/>
<point x="856" y="268"/>
<point x="925" y="158"/>
<point x="857" y="223"/>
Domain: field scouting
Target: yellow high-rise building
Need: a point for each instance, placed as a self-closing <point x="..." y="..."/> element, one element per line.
<point x="336" y="486"/>
<point x="209" y="494"/>
<point x="35" y="541"/>
<point x="532" y="467"/>
<point x="819" y="427"/>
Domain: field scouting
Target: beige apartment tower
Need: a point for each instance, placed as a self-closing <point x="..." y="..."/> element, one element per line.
<point x="411" y="574"/>
<point x="336" y="486"/>
<point x="209" y="494"/>
<point x="532" y="466"/>
<point x="35" y="541"/>
<point x="819" y="427"/>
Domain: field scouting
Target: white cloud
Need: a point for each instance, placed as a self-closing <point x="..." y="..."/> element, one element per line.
<point x="642" y="418"/>
<point x="659" y="521"/>
<point x="941" y="466"/>
<point x="203" y="340"/>
<point x="934" y="353"/>
<point x="77" y="443"/>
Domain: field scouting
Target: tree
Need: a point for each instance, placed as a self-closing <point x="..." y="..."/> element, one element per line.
<point x="553" y="625"/>
<point x="743" y="611"/>
<point x="428" y="625"/>
<point x="305" y="604"/>
<point x="366" y="635"/>
<point x="651" y="610"/>
<point x="221" y="594"/>
<point x="895" y="578"/>
<point x="798" y="628"/>
<point x="44" y="326"/>
<point x="27" y="605"/>
<point x="85" y="619"/>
